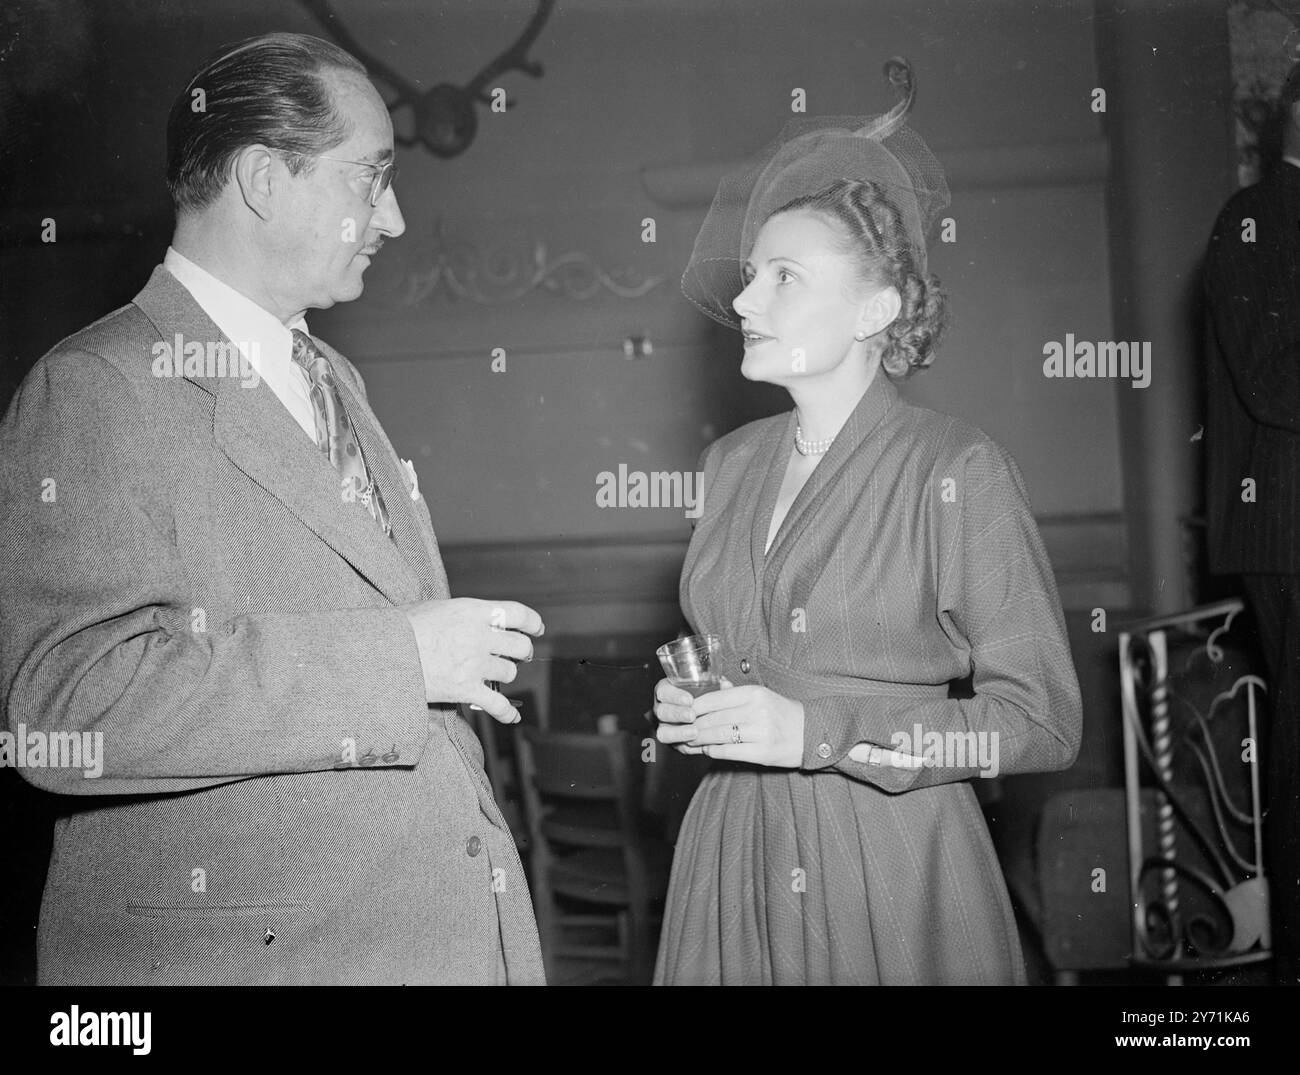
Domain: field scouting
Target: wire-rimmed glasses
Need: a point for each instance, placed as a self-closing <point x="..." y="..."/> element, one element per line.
<point x="385" y="174"/>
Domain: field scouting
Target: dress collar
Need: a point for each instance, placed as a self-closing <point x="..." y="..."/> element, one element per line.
<point x="875" y="403"/>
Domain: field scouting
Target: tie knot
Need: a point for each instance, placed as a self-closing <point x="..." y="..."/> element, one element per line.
<point x="310" y="357"/>
<point x="303" y="351"/>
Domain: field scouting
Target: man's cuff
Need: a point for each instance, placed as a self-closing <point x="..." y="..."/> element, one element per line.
<point x="395" y="730"/>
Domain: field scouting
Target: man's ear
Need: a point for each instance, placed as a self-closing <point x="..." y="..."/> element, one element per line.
<point x="880" y="310"/>
<point x="253" y="171"/>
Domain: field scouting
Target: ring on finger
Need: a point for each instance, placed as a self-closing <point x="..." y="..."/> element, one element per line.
<point x="735" y="733"/>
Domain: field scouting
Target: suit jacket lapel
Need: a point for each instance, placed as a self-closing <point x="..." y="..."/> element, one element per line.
<point x="255" y="431"/>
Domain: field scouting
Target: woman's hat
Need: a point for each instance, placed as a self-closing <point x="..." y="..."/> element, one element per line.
<point x="807" y="157"/>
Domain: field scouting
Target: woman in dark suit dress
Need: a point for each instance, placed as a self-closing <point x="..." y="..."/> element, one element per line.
<point x="856" y="556"/>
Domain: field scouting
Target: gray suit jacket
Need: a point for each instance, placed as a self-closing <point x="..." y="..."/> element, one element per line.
<point x="197" y="590"/>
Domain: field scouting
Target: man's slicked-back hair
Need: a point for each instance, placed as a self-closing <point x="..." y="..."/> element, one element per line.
<point x="265" y="90"/>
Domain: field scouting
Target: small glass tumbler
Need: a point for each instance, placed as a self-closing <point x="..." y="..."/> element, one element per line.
<point x="692" y="663"/>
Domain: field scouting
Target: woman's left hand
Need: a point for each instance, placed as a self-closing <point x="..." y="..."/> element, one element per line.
<point x="768" y="725"/>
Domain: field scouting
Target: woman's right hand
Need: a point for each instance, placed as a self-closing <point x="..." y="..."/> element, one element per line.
<point x="675" y="715"/>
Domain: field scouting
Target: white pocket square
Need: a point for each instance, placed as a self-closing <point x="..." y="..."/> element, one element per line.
<point x="415" y="481"/>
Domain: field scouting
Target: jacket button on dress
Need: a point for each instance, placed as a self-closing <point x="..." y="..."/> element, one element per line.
<point x="824" y="751"/>
<point x="744" y="665"/>
<point x="474" y="846"/>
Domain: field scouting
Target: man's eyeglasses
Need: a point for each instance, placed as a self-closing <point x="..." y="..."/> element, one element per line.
<point x="384" y="175"/>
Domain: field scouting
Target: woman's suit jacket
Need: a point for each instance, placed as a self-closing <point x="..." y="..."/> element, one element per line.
<point x="910" y="560"/>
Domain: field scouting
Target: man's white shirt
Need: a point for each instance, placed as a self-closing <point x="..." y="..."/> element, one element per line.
<point x="244" y="322"/>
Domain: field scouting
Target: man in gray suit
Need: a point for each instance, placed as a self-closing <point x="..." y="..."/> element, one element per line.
<point x="225" y="630"/>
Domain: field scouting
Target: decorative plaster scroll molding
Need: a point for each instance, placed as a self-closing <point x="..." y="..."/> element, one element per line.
<point x="419" y="272"/>
<point x="1052" y="164"/>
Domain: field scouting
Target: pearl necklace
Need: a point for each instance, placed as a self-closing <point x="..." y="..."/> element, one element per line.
<point x="810" y="447"/>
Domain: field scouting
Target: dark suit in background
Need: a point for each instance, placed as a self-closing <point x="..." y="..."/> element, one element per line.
<point x="1252" y="292"/>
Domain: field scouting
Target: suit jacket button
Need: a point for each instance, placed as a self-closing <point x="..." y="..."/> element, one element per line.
<point x="744" y="665"/>
<point x="392" y="755"/>
<point x="474" y="846"/>
<point x="824" y="751"/>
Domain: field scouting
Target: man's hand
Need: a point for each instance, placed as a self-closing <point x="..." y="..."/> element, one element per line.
<point x="464" y="643"/>
<point x="768" y="725"/>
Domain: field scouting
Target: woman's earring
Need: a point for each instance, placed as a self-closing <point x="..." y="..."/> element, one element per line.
<point x="860" y="336"/>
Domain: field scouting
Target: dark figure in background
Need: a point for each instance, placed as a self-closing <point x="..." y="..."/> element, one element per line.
<point x="1252" y="292"/>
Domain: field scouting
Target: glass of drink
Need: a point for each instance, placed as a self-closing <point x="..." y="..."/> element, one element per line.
<point x="692" y="663"/>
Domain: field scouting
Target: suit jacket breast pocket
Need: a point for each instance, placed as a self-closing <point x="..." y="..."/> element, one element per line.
<point x="245" y="944"/>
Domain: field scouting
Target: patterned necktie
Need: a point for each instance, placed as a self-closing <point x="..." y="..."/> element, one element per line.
<point x="334" y="433"/>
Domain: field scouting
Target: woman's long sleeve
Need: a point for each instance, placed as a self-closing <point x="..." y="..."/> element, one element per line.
<point x="997" y="599"/>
